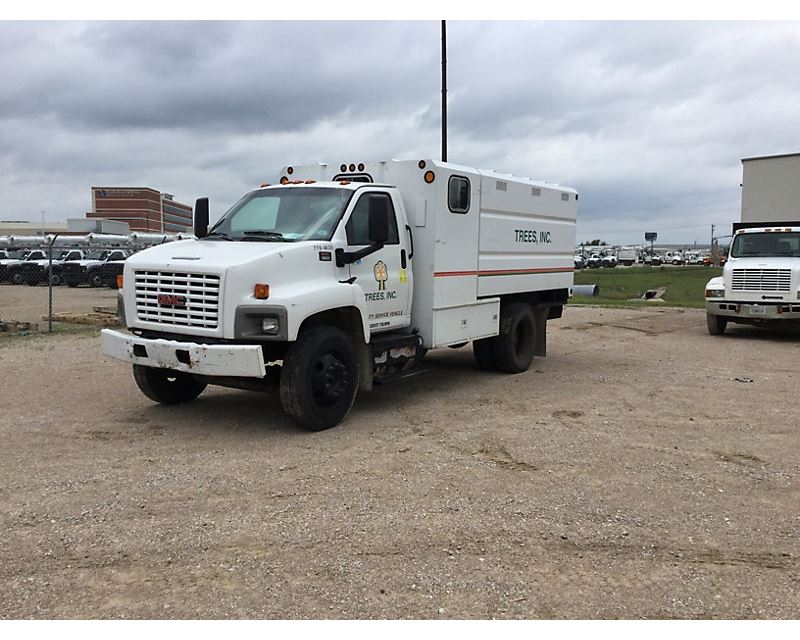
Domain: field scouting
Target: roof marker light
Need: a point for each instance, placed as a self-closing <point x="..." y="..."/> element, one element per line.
<point x="429" y="176"/>
<point x="284" y="179"/>
<point x="343" y="168"/>
<point x="290" y="171"/>
<point x="421" y="164"/>
<point x="361" y="166"/>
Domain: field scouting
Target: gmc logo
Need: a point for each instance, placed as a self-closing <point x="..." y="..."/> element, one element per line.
<point x="171" y="300"/>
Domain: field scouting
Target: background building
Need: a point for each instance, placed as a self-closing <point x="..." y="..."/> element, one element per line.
<point x="143" y="208"/>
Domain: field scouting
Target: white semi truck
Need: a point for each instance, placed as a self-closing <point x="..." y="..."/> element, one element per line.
<point x="343" y="276"/>
<point x="760" y="282"/>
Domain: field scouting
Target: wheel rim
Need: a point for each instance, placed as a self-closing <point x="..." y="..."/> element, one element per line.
<point x="330" y="379"/>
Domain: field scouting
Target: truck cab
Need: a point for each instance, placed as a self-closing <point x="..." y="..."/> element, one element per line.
<point x="760" y="282"/>
<point x="339" y="278"/>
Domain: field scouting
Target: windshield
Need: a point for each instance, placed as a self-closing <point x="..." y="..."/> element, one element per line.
<point x="284" y="215"/>
<point x="97" y="255"/>
<point x="783" y="244"/>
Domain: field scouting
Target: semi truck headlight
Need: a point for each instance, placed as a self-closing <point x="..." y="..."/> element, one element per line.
<point x="715" y="293"/>
<point x="270" y="324"/>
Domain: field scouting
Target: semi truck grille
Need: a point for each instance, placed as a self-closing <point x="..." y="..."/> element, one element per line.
<point x="178" y="299"/>
<point x="761" y="279"/>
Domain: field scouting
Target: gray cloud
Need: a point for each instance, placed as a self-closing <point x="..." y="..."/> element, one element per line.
<point x="647" y="120"/>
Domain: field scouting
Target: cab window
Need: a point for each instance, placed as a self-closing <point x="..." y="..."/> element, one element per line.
<point x="357" y="227"/>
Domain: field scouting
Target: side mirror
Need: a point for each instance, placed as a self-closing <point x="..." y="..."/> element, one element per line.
<point x="378" y="219"/>
<point x="201" y="217"/>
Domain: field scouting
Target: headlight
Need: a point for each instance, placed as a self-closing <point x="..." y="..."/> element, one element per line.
<point x="270" y="324"/>
<point x="715" y="293"/>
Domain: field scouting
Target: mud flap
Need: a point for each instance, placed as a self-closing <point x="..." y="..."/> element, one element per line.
<point x="540" y="318"/>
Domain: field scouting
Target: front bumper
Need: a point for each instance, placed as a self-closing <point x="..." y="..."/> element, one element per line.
<point x="238" y="360"/>
<point x="752" y="311"/>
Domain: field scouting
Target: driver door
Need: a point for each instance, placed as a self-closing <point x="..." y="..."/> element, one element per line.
<point x="384" y="276"/>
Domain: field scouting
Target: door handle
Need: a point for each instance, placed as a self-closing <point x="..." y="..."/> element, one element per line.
<point x="411" y="239"/>
<point x="403" y="258"/>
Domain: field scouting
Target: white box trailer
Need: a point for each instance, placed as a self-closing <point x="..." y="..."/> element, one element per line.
<point x="355" y="271"/>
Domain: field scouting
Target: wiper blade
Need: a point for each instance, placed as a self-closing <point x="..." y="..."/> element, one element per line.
<point x="266" y="235"/>
<point x="218" y="234"/>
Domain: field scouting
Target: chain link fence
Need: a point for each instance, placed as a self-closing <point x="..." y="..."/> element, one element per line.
<point x="52" y="285"/>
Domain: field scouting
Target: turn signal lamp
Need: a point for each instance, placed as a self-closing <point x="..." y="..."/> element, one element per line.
<point x="119" y="282"/>
<point x="429" y="176"/>
<point x="261" y="292"/>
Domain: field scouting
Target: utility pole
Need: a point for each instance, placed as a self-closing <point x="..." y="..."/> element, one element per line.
<point x="444" y="91"/>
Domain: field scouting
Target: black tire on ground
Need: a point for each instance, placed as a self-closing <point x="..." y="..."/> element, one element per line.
<point x="167" y="386"/>
<point x="319" y="379"/>
<point x="16" y="278"/>
<point x="97" y="280"/>
<point x="55" y="280"/>
<point x="482" y="350"/>
<point x="716" y="324"/>
<point x="72" y="284"/>
<point x="514" y="346"/>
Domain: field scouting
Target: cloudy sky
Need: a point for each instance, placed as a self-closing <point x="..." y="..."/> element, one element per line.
<point x="648" y="120"/>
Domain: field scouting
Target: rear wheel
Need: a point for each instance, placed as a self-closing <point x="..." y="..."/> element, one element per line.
<point x="513" y="347"/>
<point x="319" y="379"/>
<point x="716" y="324"/>
<point x="167" y="386"/>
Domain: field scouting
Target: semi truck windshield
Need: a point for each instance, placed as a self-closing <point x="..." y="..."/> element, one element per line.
<point x="762" y="245"/>
<point x="284" y="215"/>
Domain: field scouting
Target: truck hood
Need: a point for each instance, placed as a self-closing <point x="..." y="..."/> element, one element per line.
<point x="762" y="263"/>
<point x="206" y="255"/>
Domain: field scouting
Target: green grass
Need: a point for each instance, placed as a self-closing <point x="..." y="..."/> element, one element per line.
<point x="685" y="286"/>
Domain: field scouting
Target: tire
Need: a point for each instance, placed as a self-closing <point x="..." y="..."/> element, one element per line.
<point x="716" y="324"/>
<point x="482" y="350"/>
<point x="72" y="285"/>
<point x="16" y="278"/>
<point x="319" y="379"/>
<point x="97" y="280"/>
<point x="167" y="386"/>
<point x="55" y="280"/>
<point x="513" y="347"/>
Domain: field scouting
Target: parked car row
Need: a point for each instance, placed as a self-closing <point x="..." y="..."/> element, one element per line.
<point x="595" y="261"/>
<point x="73" y="267"/>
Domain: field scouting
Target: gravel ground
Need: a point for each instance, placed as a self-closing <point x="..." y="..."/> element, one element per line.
<point x="629" y="474"/>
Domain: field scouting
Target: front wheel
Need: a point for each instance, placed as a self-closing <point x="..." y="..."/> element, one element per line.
<point x="716" y="324"/>
<point x="319" y="379"/>
<point x="167" y="386"/>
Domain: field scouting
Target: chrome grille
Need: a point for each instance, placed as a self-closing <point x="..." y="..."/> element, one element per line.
<point x="199" y="290"/>
<point x="761" y="280"/>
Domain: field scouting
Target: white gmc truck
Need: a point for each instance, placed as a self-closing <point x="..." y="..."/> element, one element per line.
<point x="343" y="276"/>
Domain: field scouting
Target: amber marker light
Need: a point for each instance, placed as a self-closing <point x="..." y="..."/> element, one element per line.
<point x="261" y="292"/>
<point x="119" y="282"/>
<point x="290" y="171"/>
<point x="421" y="164"/>
<point x="361" y="166"/>
<point x="429" y="176"/>
<point x="284" y="179"/>
<point x="352" y="168"/>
